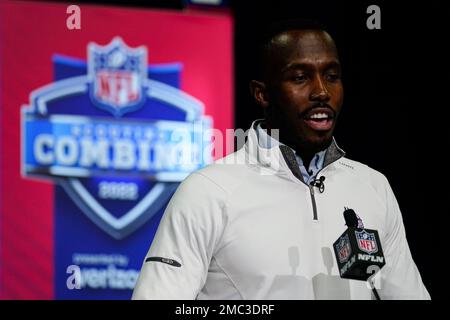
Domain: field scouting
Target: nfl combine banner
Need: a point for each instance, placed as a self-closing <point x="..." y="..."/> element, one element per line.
<point x="118" y="170"/>
<point x="116" y="118"/>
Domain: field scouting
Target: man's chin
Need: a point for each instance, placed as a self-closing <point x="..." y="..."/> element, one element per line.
<point x="318" y="144"/>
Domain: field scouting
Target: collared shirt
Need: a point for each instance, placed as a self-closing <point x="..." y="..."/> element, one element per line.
<point x="316" y="164"/>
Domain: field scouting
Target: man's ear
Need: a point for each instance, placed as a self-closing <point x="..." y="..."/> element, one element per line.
<point x="258" y="91"/>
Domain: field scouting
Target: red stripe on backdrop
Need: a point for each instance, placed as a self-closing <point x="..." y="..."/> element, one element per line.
<point x="30" y="34"/>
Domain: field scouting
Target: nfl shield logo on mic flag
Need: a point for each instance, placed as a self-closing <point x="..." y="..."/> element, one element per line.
<point x="366" y="241"/>
<point x="343" y="248"/>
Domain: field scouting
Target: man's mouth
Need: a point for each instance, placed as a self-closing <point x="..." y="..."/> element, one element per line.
<point x="319" y="119"/>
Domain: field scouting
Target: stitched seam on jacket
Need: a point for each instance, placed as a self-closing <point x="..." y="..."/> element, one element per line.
<point x="229" y="278"/>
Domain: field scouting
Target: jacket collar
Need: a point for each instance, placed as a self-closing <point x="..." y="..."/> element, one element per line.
<point x="281" y="160"/>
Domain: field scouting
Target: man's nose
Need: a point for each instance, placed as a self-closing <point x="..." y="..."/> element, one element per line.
<point x="319" y="92"/>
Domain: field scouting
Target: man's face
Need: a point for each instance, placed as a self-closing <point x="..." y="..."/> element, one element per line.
<point x="304" y="88"/>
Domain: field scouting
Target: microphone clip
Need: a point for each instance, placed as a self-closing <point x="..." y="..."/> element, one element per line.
<point x="319" y="183"/>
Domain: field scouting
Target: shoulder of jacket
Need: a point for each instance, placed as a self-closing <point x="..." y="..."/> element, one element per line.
<point x="362" y="171"/>
<point x="226" y="173"/>
<point x="223" y="175"/>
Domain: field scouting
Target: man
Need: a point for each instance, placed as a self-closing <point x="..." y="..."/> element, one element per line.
<point x="260" y="223"/>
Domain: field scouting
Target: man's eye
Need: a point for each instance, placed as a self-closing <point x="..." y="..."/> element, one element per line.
<point x="333" y="76"/>
<point x="300" y="78"/>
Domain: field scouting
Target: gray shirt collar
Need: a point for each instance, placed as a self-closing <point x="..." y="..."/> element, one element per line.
<point x="294" y="161"/>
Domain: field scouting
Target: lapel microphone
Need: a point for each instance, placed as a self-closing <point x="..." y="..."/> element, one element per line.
<point x="318" y="182"/>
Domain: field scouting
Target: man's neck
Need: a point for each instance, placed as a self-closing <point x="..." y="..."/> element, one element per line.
<point x="305" y="153"/>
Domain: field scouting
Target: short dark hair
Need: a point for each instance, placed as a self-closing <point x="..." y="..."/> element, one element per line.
<point x="277" y="27"/>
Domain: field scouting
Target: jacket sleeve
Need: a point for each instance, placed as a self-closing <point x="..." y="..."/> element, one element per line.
<point x="399" y="278"/>
<point x="177" y="263"/>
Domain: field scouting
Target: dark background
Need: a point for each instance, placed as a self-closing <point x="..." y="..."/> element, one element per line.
<point x="395" y="113"/>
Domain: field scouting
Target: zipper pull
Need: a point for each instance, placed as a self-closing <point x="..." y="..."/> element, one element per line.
<point x="313" y="202"/>
<point x="311" y="189"/>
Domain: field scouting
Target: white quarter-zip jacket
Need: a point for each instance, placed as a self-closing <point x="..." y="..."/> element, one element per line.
<point x="248" y="227"/>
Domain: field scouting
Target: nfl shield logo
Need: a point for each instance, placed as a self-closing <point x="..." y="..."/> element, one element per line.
<point x="343" y="249"/>
<point x="366" y="241"/>
<point x="117" y="73"/>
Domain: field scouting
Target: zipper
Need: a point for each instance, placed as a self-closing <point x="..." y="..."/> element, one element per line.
<point x="313" y="200"/>
<point x="311" y="187"/>
<point x="311" y="192"/>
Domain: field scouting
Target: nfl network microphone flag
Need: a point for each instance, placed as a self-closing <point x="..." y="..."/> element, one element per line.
<point x="358" y="253"/>
<point x="110" y="122"/>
